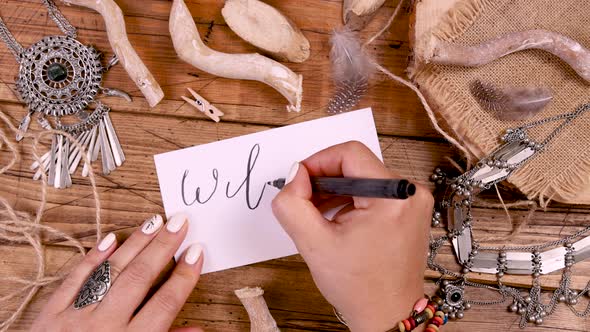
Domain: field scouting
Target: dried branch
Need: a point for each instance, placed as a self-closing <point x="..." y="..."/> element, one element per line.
<point x="190" y="48"/>
<point x="260" y="318"/>
<point x="115" y="25"/>
<point x="568" y="50"/>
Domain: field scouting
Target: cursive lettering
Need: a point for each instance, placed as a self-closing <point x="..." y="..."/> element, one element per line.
<point x="252" y="158"/>
<point x="198" y="191"/>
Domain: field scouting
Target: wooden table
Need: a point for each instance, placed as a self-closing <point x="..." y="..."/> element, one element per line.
<point x="129" y="195"/>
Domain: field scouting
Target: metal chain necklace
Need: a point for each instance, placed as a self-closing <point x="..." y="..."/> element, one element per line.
<point x="536" y="260"/>
<point x="59" y="77"/>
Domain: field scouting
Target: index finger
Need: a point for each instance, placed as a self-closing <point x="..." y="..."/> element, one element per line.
<point x="350" y="159"/>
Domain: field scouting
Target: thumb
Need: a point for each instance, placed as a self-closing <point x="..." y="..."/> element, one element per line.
<point x="296" y="213"/>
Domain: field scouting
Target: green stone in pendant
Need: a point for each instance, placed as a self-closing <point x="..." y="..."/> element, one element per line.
<point x="57" y="72"/>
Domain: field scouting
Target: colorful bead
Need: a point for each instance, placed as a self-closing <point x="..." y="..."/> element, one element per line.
<point x="434" y="327"/>
<point x="446" y="319"/>
<point x="412" y="322"/>
<point x="407" y="325"/>
<point x="421" y="318"/>
<point x="431" y="308"/>
<point x="438" y="320"/>
<point x="440" y="314"/>
<point x="421" y="305"/>
<point x="428" y="329"/>
<point x="401" y="327"/>
<point x="429" y="312"/>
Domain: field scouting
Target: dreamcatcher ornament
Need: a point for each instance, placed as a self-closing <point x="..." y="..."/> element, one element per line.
<point x="59" y="78"/>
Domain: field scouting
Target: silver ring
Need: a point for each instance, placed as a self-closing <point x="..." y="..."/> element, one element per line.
<point x="95" y="287"/>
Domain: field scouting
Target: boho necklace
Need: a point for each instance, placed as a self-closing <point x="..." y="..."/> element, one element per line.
<point x="59" y="77"/>
<point x="458" y="193"/>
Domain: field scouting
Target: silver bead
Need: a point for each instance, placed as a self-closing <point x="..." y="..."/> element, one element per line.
<point x="522" y="311"/>
<point x="445" y="283"/>
<point x="474" y="252"/>
<point x="539" y="321"/>
<point x="460" y="315"/>
<point x="536" y="274"/>
<point x="446" y="308"/>
<point x="435" y="223"/>
<point x="497" y="163"/>
<point x="513" y="308"/>
<point x="573" y="301"/>
<point x="437" y="170"/>
<point x="502" y="260"/>
<point x="465" y="270"/>
<point x="490" y="163"/>
<point x="543" y="314"/>
<point x="452" y="315"/>
<point x="573" y="293"/>
<point x="466" y="305"/>
<point x="532" y="318"/>
<point x="453" y="186"/>
<point x="509" y="131"/>
<point x="561" y="298"/>
<point x="500" y="274"/>
<point x="437" y="215"/>
<point x="503" y="254"/>
<point x="528" y="299"/>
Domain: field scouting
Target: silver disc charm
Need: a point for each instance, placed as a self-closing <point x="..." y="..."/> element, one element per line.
<point x="59" y="76"/>
<point x="96" y="287"/>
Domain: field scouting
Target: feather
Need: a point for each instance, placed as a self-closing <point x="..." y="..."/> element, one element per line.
<point x="351" y="70"/>
<point x="511" y="103"/>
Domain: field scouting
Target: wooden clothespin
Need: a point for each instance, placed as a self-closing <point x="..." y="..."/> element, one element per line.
<point x="203" y="105"/>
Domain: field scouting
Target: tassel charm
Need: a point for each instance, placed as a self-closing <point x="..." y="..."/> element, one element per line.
<point x="23" y="127"/>
<point x="96" y="135"/>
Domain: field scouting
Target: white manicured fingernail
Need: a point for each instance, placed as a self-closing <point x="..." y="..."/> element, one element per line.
<point x="107" y="242"/>
<point x="176" y="223"/>
<point x="292" y="173"/>
<point x="152" y="225"/>
<point x="193" y="253"/>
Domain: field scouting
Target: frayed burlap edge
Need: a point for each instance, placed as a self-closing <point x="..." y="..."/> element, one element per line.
<point x="459" y="18"/>
<point x="466" y="126"/>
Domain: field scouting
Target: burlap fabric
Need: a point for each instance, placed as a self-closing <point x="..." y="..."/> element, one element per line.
<point x="562" y="172"/>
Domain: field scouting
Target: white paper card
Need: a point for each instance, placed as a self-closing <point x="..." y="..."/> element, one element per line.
<point x="222" y="186"/>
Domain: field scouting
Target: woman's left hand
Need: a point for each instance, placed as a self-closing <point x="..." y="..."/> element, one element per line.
<point x="135" y="265"/>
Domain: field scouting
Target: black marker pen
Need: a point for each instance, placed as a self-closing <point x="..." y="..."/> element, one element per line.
<point x="338" y="186"/>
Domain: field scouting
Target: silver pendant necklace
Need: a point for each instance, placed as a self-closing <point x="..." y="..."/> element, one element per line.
<point x="536" y="260"/>
<point x="58" y="79"/>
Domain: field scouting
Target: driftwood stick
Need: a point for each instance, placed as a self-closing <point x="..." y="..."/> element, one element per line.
<point x="568" y="50"/>
<point x="260" y="318"/>
<point x="357" y="13"/>
<point x="190" y="48"/>
<point x="116" y="31"/>
<point x="266" y="28"/>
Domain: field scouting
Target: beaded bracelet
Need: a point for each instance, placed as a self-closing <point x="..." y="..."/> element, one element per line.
<point x="424" y="310"/>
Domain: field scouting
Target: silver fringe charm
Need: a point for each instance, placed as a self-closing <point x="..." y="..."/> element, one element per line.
<point x="96" y="135"/>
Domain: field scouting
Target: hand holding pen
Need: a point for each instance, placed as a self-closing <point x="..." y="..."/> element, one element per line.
<point x="369" y="260"/>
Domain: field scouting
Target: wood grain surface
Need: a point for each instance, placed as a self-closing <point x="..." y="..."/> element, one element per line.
<point x="410" y="146"/>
